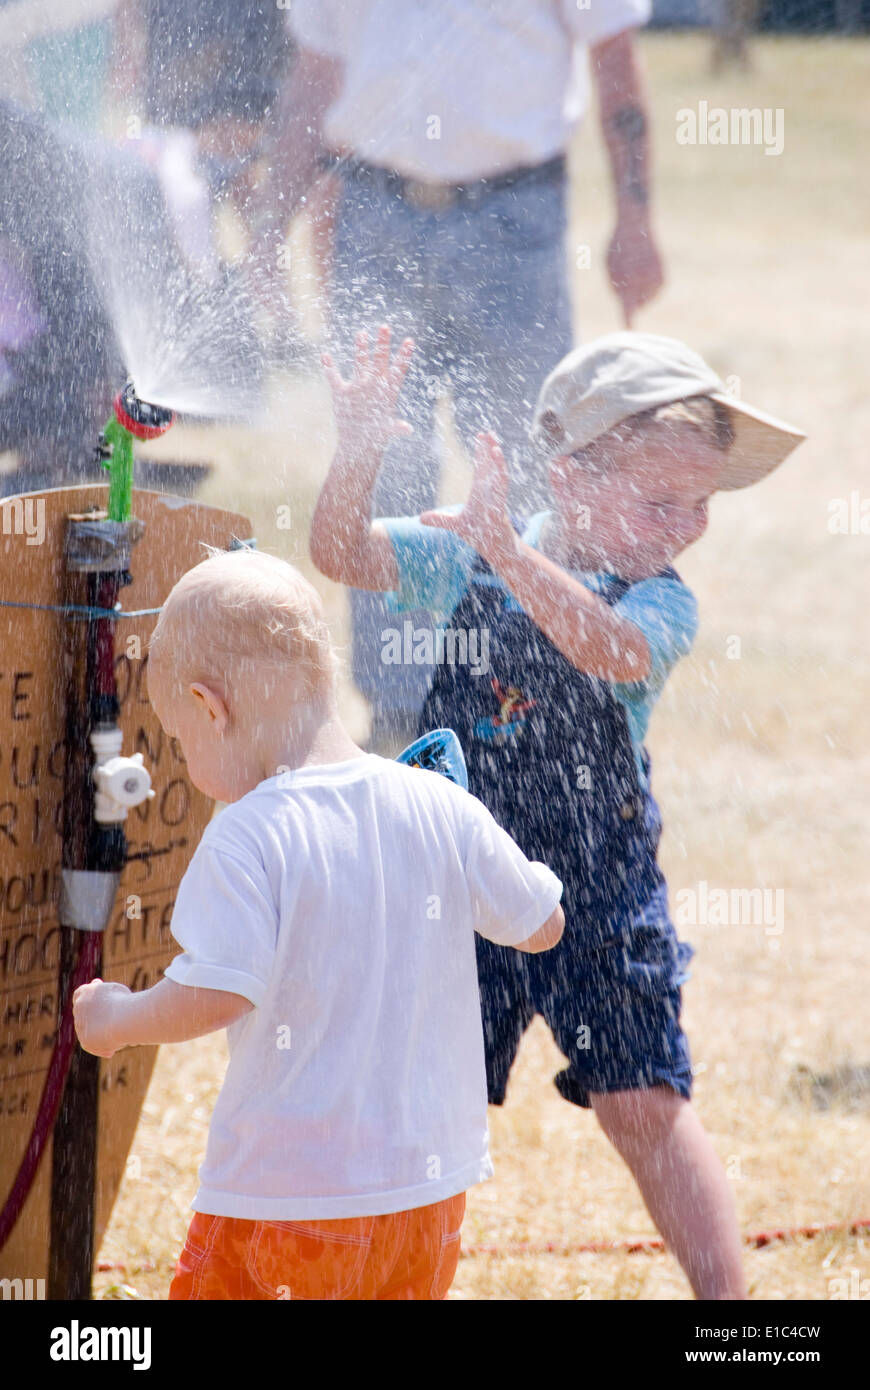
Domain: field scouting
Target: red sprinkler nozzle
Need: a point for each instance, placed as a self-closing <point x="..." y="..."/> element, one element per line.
<point x="141" y="418"/>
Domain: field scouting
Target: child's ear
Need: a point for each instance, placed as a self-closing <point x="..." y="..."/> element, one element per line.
<point x="211" y="703"/>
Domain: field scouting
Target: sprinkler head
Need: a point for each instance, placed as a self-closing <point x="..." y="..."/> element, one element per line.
<point x="141" y="418"/>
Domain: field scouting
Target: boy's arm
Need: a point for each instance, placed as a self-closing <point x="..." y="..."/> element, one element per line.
<point x="227" y="958"/>
<point x="346" y="545"/>
<point x="547" y="936"/>
<point x="509" y="893"/>
<point x="109" y="1016"/>
<point x="586" y="630"/>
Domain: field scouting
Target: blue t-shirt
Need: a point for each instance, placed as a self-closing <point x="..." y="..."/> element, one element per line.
<point x="434" y="569"/>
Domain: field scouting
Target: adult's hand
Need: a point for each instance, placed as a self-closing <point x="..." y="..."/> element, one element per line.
<point x="634" y="264"/>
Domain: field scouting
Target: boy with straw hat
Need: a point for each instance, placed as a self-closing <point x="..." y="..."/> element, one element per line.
<point x="585" y="618"/>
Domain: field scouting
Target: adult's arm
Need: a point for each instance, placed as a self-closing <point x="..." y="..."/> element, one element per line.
<point x="634" y="263"/>
<point x="293" y="142"/>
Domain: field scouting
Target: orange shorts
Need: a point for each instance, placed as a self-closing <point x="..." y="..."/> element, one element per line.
<point x="408" y="1254"/>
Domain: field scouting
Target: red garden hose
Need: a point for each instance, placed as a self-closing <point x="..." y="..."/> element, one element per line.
<point x="637" y="1244"/>
<point x="52" y="1091"/>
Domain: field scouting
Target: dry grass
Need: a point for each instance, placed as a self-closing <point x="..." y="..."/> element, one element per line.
<point x="761" y="763"/>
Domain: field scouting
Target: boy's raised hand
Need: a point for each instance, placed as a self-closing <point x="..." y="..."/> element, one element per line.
<point x="483" y="522"/>
<point x="365" y="406"/>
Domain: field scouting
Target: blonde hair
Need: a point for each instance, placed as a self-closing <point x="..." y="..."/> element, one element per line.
<point x="245" y="608"/>
<point x="705" y="414"/>
<point x="711" y="417"/>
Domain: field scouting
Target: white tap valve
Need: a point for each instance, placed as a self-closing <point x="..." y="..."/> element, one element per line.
<point x="121" y="783"/>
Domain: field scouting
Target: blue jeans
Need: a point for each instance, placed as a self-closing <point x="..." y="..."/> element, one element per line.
<point x="482" y="287"/>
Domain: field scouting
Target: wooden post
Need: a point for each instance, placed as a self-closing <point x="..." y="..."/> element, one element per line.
<point x="73" y="1176"/>
<point x="74" y="1163"/>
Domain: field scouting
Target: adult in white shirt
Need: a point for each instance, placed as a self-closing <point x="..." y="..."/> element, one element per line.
<point x="448" y="122"/>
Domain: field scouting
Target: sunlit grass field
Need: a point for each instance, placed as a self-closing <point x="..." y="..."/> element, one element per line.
<point x="760" y="760"/>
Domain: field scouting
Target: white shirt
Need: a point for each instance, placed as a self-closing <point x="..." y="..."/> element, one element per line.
<point x="343" y="905"/>
<point x="453" y="90"/>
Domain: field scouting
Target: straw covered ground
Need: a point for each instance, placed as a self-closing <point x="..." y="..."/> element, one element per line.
<point x="760" y="759"/>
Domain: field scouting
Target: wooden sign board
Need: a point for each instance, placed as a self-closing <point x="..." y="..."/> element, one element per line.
<point x="162" y="834"/>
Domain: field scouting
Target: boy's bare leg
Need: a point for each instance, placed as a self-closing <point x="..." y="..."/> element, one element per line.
<point x="682" y="1182"/>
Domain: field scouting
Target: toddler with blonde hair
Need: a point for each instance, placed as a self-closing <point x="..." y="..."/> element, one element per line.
<point x="327" y="920"/>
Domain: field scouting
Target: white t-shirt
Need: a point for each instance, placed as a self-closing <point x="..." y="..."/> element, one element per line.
<point x="458" y="89"/>
<point x="342" y="900"/>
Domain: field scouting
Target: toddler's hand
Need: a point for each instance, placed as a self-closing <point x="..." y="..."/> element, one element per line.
<point x="483" y="522"/>
<point x="365" y="406"/>
<point x="95" y="1012"/>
